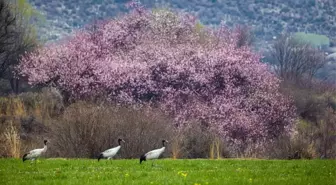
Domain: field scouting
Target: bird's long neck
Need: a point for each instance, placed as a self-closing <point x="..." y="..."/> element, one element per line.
<point x="45" y="148"/>
<point x="119" y="142"/>
<point x="162" y="149"/>
<point x="163" y="144"/>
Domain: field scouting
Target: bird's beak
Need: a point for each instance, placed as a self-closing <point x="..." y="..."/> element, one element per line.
<point x="124" y="141"/>
<point x="167" y="141"/>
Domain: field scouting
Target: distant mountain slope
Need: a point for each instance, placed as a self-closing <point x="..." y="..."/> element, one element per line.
<point x="267" y="17"/>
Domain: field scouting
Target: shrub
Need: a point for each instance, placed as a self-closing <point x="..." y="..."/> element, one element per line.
<point x="24" y="118"/>
<point x="193" y="142"/>
<point x="10" y="139"/>
<point x="86" y="129"/>
<point x="315" y="133"/>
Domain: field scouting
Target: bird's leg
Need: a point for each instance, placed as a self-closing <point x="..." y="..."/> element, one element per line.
<point x="154" y="164"/>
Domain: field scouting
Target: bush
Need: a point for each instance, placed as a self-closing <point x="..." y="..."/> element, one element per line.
<point x="289" y="148"/>
<point x="86" y="129"/>
<point x="19" y="135"/>
<point x="315" y="133"/>
<point x="194" y="142"/>
<point x="24" y="118"/>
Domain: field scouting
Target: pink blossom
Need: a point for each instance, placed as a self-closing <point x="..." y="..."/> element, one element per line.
<point x="159" y="58"/>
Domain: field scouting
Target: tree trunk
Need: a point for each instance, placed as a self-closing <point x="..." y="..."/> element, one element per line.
<point x="15" y="84"/>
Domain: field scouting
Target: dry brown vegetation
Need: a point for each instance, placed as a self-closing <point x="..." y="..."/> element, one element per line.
<point x="83" y="129"/>
<point x="315" y="135"/>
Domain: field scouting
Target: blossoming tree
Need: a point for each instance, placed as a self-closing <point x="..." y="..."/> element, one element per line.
<point x="166" y="59"/>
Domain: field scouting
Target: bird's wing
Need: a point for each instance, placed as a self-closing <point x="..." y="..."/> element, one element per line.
<point x="36" y="152"/>
<point x="150" y="153"/>
<point x="112" y="151"/>
<point x="107" y="151"/>
<point x="154" y="153"/>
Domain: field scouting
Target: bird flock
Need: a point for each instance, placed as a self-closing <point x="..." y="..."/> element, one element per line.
<point x="109" y="153"/>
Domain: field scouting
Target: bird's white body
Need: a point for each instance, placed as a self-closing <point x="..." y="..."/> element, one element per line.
<point x="111" y="152"/>
<point x="36" y="153"/>
<point x="154" y="154"/>
<point x="33" y="154"/>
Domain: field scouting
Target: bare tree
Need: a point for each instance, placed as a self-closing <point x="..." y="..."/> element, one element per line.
<point x="294" y="59"/>
<point x="8" y="36"/>
<point x="17" y="36"/>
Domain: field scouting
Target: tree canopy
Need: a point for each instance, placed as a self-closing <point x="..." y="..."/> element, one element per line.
<point x="161" y="58"/>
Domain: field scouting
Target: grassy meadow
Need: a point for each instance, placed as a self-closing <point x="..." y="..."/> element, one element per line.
<point x="191" y="172"/>
<point x="314" y="39"/>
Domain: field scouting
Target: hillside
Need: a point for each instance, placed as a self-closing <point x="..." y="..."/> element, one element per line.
<point x="268" y="18"/>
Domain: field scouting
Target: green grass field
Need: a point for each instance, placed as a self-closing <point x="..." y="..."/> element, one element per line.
<point x="191" y="172"/>
<point x="314" y="39"/>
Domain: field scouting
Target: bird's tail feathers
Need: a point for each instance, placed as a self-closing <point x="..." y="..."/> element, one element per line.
<point x="24" y="157"/>
<point x="100" y="156"/>
<point x="142" y="158"/>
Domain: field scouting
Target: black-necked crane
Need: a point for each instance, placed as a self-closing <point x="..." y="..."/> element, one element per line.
<point x="34" y="154"/>
<point x="154" y="154"/>
<point x="109" y="153"/>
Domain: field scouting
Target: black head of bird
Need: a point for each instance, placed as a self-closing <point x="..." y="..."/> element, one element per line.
<point x="163" y="142"/>
<point x="45" y="141"/>
<point x="121" y="140"/>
